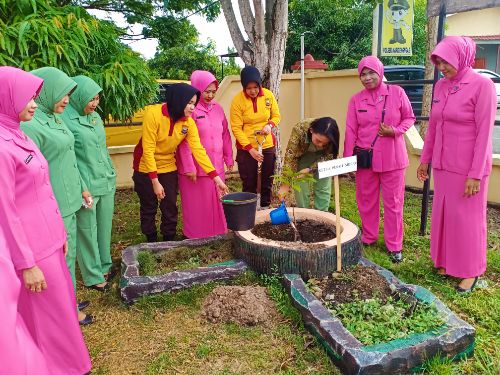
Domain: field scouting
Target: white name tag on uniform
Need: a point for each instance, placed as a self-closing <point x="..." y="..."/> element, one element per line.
<point x="337" y="166"/>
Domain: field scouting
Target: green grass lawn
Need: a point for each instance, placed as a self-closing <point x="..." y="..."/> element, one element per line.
<point x="165" y="334"/>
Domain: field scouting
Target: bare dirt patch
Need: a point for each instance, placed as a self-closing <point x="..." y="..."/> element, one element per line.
<point x="243" y="305"/>
<point x="358" y="283"/>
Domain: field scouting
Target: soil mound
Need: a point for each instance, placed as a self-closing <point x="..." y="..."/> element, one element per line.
<point x="310" y="231"/>
<point x="243" y="305"/>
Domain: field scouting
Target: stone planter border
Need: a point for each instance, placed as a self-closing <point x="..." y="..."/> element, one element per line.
<point x="133" y="285"/>
<point x="400" y="356"/>
<point x="269" y="256"/>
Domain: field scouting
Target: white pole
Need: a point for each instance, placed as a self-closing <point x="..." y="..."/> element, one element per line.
<point x="375" y="40"/>
<point x="302" y="76"/>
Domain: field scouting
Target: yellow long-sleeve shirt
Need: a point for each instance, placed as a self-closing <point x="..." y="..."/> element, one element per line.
<point x="249" y="115"/>
<point x="155" y="153"/>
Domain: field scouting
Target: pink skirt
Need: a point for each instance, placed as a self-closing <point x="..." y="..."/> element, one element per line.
<point x="18" y="353"/>
<point x="202" y="212"/>
<point x="458" y="226"/>
<point x="52" y="319"/>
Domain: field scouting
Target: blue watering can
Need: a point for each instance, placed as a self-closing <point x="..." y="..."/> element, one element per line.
<point x="280" y="215"/>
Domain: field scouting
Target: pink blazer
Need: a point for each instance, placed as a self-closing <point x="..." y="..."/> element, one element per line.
<point x="459" y="138"/>
<point x="364" y="115"/>
<point x="214" y="135"/>
<point x="29" y="214"/>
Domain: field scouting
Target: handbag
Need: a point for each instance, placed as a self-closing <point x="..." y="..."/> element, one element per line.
<point x="365" y="155"/>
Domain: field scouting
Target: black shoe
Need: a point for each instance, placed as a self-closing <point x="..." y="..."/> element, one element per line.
<point x="104" y="288"/>
<point x="83" y="305"/>
<point x="168" y="237"/>
<point x="87" y="320"/>
<point x="152" y="237"/>
<point x="109" y="276"/>
<point x="461" y="290"/>
<point x="397" y="256"/>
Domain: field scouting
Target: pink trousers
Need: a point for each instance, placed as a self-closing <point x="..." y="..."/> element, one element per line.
<point x="368" y="186"/>
<point x="202" y="212"/>
<point x="52" y="319"/>
<point x="18" y="353"/>
<point x="458" y="226"/>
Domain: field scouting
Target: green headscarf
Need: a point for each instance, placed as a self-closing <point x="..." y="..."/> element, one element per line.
<point x="86" y="90"/>
<point x="56" y="85"/>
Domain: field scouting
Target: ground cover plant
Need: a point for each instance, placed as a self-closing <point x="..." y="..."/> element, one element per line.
<point x="374" y="321"/>
<point x="368" y="308"/>
<point x="165" y="334"/>
<point x="184" y="258"/>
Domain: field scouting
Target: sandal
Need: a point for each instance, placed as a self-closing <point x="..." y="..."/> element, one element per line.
<point x="103" y="288"/>
<point x="109" y="276"/>
<point x="461" y="290"/>
<point x="89" y="319"/>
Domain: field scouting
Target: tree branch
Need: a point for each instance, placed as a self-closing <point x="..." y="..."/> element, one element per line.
<point x="260" y="26"/>
<point x="239" y="42"/>
<point x="247" y="18"/>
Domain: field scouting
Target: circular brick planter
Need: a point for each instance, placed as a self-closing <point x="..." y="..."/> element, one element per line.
<point x="308" y="260"/>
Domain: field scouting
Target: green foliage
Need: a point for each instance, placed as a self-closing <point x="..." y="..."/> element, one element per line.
<point x="171" y="32"/>
<point x="293" y="179"/>
<point x="180" y="61"/>
<point x="341" y="32"/>
<point x="37" y="33"/>
<point x="279" y="295"/>
<point x="147" y="262"/>
<point x="373" y="322"/>
<point x="141" y="11"/>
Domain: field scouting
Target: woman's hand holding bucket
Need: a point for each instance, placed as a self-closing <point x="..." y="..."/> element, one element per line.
<point x="221" y="186"/>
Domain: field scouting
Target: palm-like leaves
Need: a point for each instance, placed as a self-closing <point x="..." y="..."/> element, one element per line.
<point x="34" y="33"/>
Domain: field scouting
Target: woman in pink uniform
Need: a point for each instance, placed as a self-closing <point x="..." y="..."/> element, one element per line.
<point x="382" y="114"/>
<point x="202" y="211"/>
<point x="18" y="353"/>
<point x="459" y="145"/>
<point x="35" y="236"/>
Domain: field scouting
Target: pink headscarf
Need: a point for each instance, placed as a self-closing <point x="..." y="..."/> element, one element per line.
<point x="458" y="51"/>
<point x="373" y="63"/>
<point x="17" y="89"/>
<point x="201" y="79"/>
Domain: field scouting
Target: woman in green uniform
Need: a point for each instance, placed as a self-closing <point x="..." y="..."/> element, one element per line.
<point x="56" y="142"/>
<point x="311" y="141"/>
<point x="98" y="174"/>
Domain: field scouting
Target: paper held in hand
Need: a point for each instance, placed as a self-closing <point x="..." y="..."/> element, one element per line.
<point x="337" y="166"/>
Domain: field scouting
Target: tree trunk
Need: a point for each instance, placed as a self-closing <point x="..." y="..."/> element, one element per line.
<point x="266" y="30"/>
<point x="432" y="29"/>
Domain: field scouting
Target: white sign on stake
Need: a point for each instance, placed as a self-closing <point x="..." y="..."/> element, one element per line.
<point x="337" y="166"/>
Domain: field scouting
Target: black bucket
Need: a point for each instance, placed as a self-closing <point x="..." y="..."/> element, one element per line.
<point x="239" y="209"/>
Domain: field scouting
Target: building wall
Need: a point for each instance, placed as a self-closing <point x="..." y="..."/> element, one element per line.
<point x="326" y="94"/>
<point x="476" y="22"/>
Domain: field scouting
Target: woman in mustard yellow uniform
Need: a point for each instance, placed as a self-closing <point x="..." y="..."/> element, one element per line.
<point x="165" y="126"/>
<point x="254" y="109"/>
